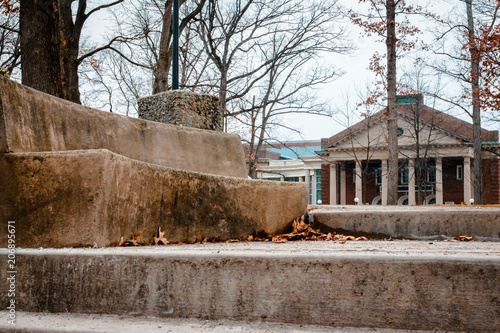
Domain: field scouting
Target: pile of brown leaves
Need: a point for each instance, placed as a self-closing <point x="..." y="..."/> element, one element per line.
<point x="460" y="239"/>
<point x="304" y="232"/>
<point x="301" y="232"/>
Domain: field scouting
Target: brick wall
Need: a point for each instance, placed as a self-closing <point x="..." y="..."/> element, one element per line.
<point x="491" y="180"/>
<point x="325" y="184"/>
<point x="453" y="188"/>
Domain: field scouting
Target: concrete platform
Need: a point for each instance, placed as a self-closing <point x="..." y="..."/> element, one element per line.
<point x="32" y="121"/>
<point x="411" y="222"/>
<point x="78" y="323"/>
<point x="76" y="176"/>
<point x="94" y="197"/>
<point x="451" y="286"/>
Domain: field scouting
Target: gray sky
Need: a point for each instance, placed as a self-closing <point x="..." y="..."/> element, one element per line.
<point x="356" y="78"/>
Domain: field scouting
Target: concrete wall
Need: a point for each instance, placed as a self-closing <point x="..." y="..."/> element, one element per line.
<point x="71" y="199"/>
<point x="411" y="222"/>
<point x="31" y="121"/>
<point x="418" y="291"/>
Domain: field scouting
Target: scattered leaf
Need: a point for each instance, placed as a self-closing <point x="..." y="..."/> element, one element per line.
<point x="161" y="240"/>
<point x="134" y="241"/>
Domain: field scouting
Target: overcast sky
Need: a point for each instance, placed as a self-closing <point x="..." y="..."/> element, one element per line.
<point x="356" y="76"/>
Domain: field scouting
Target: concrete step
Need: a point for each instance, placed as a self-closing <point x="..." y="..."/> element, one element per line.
<point x="411" y="222"/>
<point x="86" y="197"/>
<point x="450" y="286"/>
<point x="80" y="323"/>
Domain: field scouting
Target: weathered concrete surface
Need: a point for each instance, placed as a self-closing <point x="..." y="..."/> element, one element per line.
<point x="31" y="121"/>
<point x="411" y="222"/>
<point x="76" y="198"/>
<point x="400" y="285"/>
<point x="183" y="107"/>
<point x="79" y="323"/>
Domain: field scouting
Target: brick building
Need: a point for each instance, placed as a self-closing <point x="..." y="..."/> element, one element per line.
<point x="435" y="159"/>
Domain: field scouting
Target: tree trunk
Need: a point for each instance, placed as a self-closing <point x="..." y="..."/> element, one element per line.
<point x="392" y="111"/>
<point x="40" y="55"/>
<point x="164" y="61"/>
<point x="49" y="48"/>
<point x="223" y="95"/>
<point x="476" y="108"/>
<point x="69" y="43"/>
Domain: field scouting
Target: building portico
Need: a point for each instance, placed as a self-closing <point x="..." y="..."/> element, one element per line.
<point x="434" y="161"/>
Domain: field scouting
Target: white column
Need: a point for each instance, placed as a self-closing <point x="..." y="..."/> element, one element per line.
<point x="466" y="179"/>
<point x="343" y="189"/>
<point x="384" y="182"/>
<point x="359" y="183"/>
<point x="439" y="181"/>
<point x="333" y="184"/>
<point x="308" y="182"/>
<point x="411" y="182"/>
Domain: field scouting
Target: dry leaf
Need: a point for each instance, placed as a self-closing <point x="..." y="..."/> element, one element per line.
<point x="161" y="238"/>
<point x="134" y="241"/>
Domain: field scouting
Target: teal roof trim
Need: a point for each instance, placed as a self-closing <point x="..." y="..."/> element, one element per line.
<point x="295" y="152"/>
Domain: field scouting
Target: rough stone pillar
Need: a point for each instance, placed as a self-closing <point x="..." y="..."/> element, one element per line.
<point x="439" y="181"/>
<point x="333" y="184"/>
<point x="183" y="108"/>
<point x="467" y="180"/>
<point x="343" y="188"/>
<point x="359" y="183"/>
<point x="411" y="182"/>
<point x="384" y="182"/>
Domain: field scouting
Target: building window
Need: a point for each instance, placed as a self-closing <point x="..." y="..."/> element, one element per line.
<point x="431" y="174"/>
<point x="292" y="179"/>
<point x="318" y="187"/>
<point x="274" y="179"/>
<point x="460" y="173"/>
<point x="404" y="175"/>
<point x="378" y="176"/>
<point x="354" y="175"/>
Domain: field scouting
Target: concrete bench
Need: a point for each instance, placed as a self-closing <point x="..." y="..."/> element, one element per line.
<point x="76" y="176"/>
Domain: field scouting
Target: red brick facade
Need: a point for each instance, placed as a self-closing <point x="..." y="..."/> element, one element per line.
<point x="491" y="180"/>
<point x="325" y="184"/>
<point x="453" y="188"/>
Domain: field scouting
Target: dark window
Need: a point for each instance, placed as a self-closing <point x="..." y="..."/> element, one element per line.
<point x="460" y="173"/>
<point x="431" y="174"/>
<point x="292" y="179"/>
<point x="404" y="175"/>
<point x="378" y="176"/>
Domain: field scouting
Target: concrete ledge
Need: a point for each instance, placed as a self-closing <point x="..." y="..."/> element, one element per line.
<point x="78" y="323"/>
<point x="82" y="198"/>
<point x="335" y="285"/>
<point x="31" y="121"/>
<point x="411" y="222"/>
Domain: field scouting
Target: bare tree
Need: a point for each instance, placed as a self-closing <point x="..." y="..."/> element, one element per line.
<point x="50" y="45"/>
<point x="399" y="36"/>
<point x="244" y="39"/>
<point x="265" y="61"/>
<point x="164" y="60"/>
<point x="10" y="45"/>
<point x="359" y="118"/>
<point x="458" y="43"/>
<point x="139" y="65"/>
